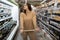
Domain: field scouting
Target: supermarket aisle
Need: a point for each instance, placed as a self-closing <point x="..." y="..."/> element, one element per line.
<point x="48" y="20"/>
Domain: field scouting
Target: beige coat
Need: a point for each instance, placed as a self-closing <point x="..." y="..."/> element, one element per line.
<point x="28" y="22"/>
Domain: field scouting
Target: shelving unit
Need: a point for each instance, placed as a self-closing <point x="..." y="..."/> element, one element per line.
<point x="49" y="19"/>
<point x="5" y="18"/>
<point x="49" y="28"/>
<point x="8" y="25"/>
<point x="10" y="37"/>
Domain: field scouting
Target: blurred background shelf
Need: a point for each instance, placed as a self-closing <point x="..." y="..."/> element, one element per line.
<point x="8" y="25"/>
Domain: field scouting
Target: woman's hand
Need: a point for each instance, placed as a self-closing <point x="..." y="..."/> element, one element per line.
<point x="37" y="29"/>
<point x="21" y="30"/>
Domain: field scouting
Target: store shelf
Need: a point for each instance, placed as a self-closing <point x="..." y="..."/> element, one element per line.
<point x="51" y="26"/>
<point x="50" y="32"/>
<point x="55" y="24"/>
<point x="5" y="18"/>
<point x="1" y="1"/>
<point x="45" y="27"/>
<point x="10" y="37"/>
<point x="2" y="27"/>
<point x="47" y="23"/>
<point x="8" y="26"/>
<point x="53" y="31"/>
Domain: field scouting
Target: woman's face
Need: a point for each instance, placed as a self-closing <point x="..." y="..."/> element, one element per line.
<point x="25" y="7"/>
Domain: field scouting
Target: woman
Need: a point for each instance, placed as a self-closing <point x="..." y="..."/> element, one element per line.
<point x="28" y="22"/>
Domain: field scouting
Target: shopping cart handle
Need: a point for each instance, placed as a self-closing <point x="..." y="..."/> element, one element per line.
<point x="28" y="30"/>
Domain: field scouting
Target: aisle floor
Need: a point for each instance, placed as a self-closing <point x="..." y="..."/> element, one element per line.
<point x="40" y="35"/>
